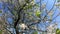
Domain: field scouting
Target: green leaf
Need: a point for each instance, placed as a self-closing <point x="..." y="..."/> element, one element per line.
<point x="30" y="13"/>
<point x="35" y="32"/>
<point x="0" y="11"/>
<point x="37" y="13"/>
<point x="58" y="31"/>
<point x="0" y="31"/>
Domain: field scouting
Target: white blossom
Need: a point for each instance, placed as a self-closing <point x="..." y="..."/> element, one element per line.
<point x="22" y="26"/>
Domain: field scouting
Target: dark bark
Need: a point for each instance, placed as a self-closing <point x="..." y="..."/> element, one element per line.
<point x="15" y="24"/>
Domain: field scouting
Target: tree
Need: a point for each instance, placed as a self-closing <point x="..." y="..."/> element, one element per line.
<point x="58" y="0"/>
<point x="26" y="16"/>
<point x="57" y="31"/>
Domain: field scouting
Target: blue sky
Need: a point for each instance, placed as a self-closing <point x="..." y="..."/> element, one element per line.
<point x="48" y="7"/>
<point x="5" y="10"/>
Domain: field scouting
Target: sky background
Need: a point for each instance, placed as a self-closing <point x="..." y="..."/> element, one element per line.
<point x="56" y="10"/>
<point x="48" y="7"/>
